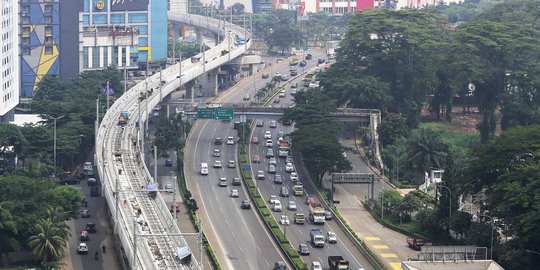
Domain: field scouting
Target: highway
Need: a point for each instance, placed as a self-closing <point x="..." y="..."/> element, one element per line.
<point x="298" y="233"/>
<point x="149" y="236"/>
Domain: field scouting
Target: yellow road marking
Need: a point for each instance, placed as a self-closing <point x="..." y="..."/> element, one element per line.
<point x="372" y="238"/>
<point x="388" y="255"/>
<point x="395" y="266"/>
<point x="380" y="246"/>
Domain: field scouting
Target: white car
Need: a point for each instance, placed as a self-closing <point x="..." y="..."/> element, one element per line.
<point x="282" y="93"/>
<point x="234" y="193"/>
<point x="269" y="143"/>
<point x="231" y="164"/>
<point x="331" y="237"/>
<point x="316" y="266"/>
<point x="169" y="187"/>
<point x="217" y="164"/>
<point x="289" y="167"/>
<point x="267" y="134"/>
<point x="222" y="182"/>
<point x="273" y="199"/>
<point x="277" y="206"/>
<point x="284" y="220"/>
<point x="260" y="175"/>
<point x="82" y="248"/>
<point x="217" y="153"/>
<point x="293" y="177"/>
<point x="292" y="206"/>
<point x="273" y="161"/>
<point x="230" y="140"/>
<point x="273" y="124"/>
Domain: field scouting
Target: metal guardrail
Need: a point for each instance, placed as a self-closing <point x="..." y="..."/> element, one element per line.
<point x="120" y="156"/>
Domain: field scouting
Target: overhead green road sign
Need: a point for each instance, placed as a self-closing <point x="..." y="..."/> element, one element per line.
<point x="205" y="113"/>
<point x="223" y="113"/>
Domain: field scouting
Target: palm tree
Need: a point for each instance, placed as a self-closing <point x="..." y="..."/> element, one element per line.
<point x="48" y="243"/>
<point x="425" y="150"/>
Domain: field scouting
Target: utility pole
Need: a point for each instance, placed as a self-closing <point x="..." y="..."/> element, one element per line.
<point x="54" y="140"/>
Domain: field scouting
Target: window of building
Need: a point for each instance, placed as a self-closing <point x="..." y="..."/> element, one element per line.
<point x="25" y="19"/>
<point x="25" y="40"/>
<point x="137" y="18"/>
<point x="48" y="50"/>
<point x="100" y="19"/>
<point x="85" y="57"/>
<point x="86" y="19"/>
<point x="47" y="9"/>
<point x="48" y="40"/>
<point x="48" y="30"/>
<point x="48" y="19"/>
<point x="143" y="29"/>
<point x="25" y="31"/>
<point x="25" y="9"/>
<point x="95" y="57"/>
<point x="143" y="41"/>
<point x="117" y="18"/>
<point x="26" y="50"/>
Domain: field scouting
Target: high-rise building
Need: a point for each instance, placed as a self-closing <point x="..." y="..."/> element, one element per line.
<point x="122" y="33"/>
<point x="40" y="42"/>
<point x="9" y="55"/>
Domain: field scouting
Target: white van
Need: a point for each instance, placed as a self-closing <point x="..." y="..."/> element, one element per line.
<point x="204" y="168"/>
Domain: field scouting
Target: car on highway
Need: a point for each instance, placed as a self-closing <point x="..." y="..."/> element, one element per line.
<point x="268" y="134"/>
<point x="309" y="56"/>
<point x="331" y="237"/>
<point x="293" y="92"/>
<point x="292" y="206"/>
<point x="321" y="61"/>
<point x="260" y="175"/>
<point x="310" y="199"/>
<point x="277" y="206"/>
<point x="289" y="167"/>
<point x="255" y="140"/>
<point x="231" y="164"/>
<point x="230" y="140"/>
<point x="284" y="77"/>
<point x="245" y="204"/>
<point x="216" y="153"/>
<point x="276" y="101"/>
<point x="168" y="162"/>
<point x="273" y="199"/>
<point x="265" y="75"/>
<point x="84" y="236"/>
<point x="82" y="248"/>
<point x="269" y="143"/>
<point x="282" y="94"/>
<point x="234" y="193"/>
<point x="85" y="213"/>
<point x="70" y="181"/>
<point x="256" y="159"/>
<point x="328" y="215"/>
<point x="284" y="220"/>
<point x="277" y="75"/>
<point x="280" y="265"/>
<point x="269" y="153"/>
<point x="217" y="141"/>
<point x="273" y="161"/>
<point x="302" y="64"/>
<point x="316" y="266"/>
<point x="293" y="177"/>
<point x="236" y="181"/>
<point x="217" y="164"/>
<point x="259" y="123"/>
<point x="284" y="192"/>
<point x="294" y="73"/>
<point x="222" y="182"/>
<point x="273" y="124"/>
<point x="94" y="192"/>
<point x="303" y="249"/>
<point x="278" y="179"/>
<point x="272" y="169"/>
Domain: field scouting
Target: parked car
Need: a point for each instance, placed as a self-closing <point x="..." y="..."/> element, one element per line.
<point x="91" y="227"/>
<point x="94" y="192"/>
<point x="70" y="181"/>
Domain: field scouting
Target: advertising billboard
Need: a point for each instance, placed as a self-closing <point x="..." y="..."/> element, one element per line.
<point x="129" y="5"/>
<point x="364" y="4"/>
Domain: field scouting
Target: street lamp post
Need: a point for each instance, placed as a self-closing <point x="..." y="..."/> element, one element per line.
<point x="54" y="139"/>
<point x="492" y="228"/>
<point x="532" y="251"/>
<point x="449" y="200"/>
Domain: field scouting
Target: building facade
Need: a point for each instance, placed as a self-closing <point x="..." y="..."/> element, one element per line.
<point x="122" y="33"/>
<point x="9" y="55"/>
<point x="40" y="42"/>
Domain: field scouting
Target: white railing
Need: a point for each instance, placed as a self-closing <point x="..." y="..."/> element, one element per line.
<point x="120" y="170"/>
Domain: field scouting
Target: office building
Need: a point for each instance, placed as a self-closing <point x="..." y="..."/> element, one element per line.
<point x="9" y="55"/>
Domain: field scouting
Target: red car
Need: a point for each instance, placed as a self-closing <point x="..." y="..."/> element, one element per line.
<point x="177" y="208"/>
<point x="310" y="199"/>
<point x="256" y="159"/>
<point x="255" y="140"/>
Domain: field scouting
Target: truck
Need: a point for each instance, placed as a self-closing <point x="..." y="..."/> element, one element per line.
<point x="317" y="238"/>
<point x="415" y="243"/>
<point x="316" y="212"/>
<point x="338" y="263"/>
<point x="299" y="218"/>
<point x="298" y="190"/>
<point x="283" y="148"/>
<point x="123" y="119"/>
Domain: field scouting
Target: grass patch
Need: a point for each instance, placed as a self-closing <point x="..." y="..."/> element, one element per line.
<point x="459" y="142"/>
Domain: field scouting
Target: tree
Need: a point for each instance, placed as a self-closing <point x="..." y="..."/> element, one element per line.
<point x="48" y="242"/>
<point x="12" y="143"/>
<point x="426" y="150"/>
<point x="392" y="128"/>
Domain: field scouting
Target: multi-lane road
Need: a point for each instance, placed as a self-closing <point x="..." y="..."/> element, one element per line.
<point x="243" y="241"/>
